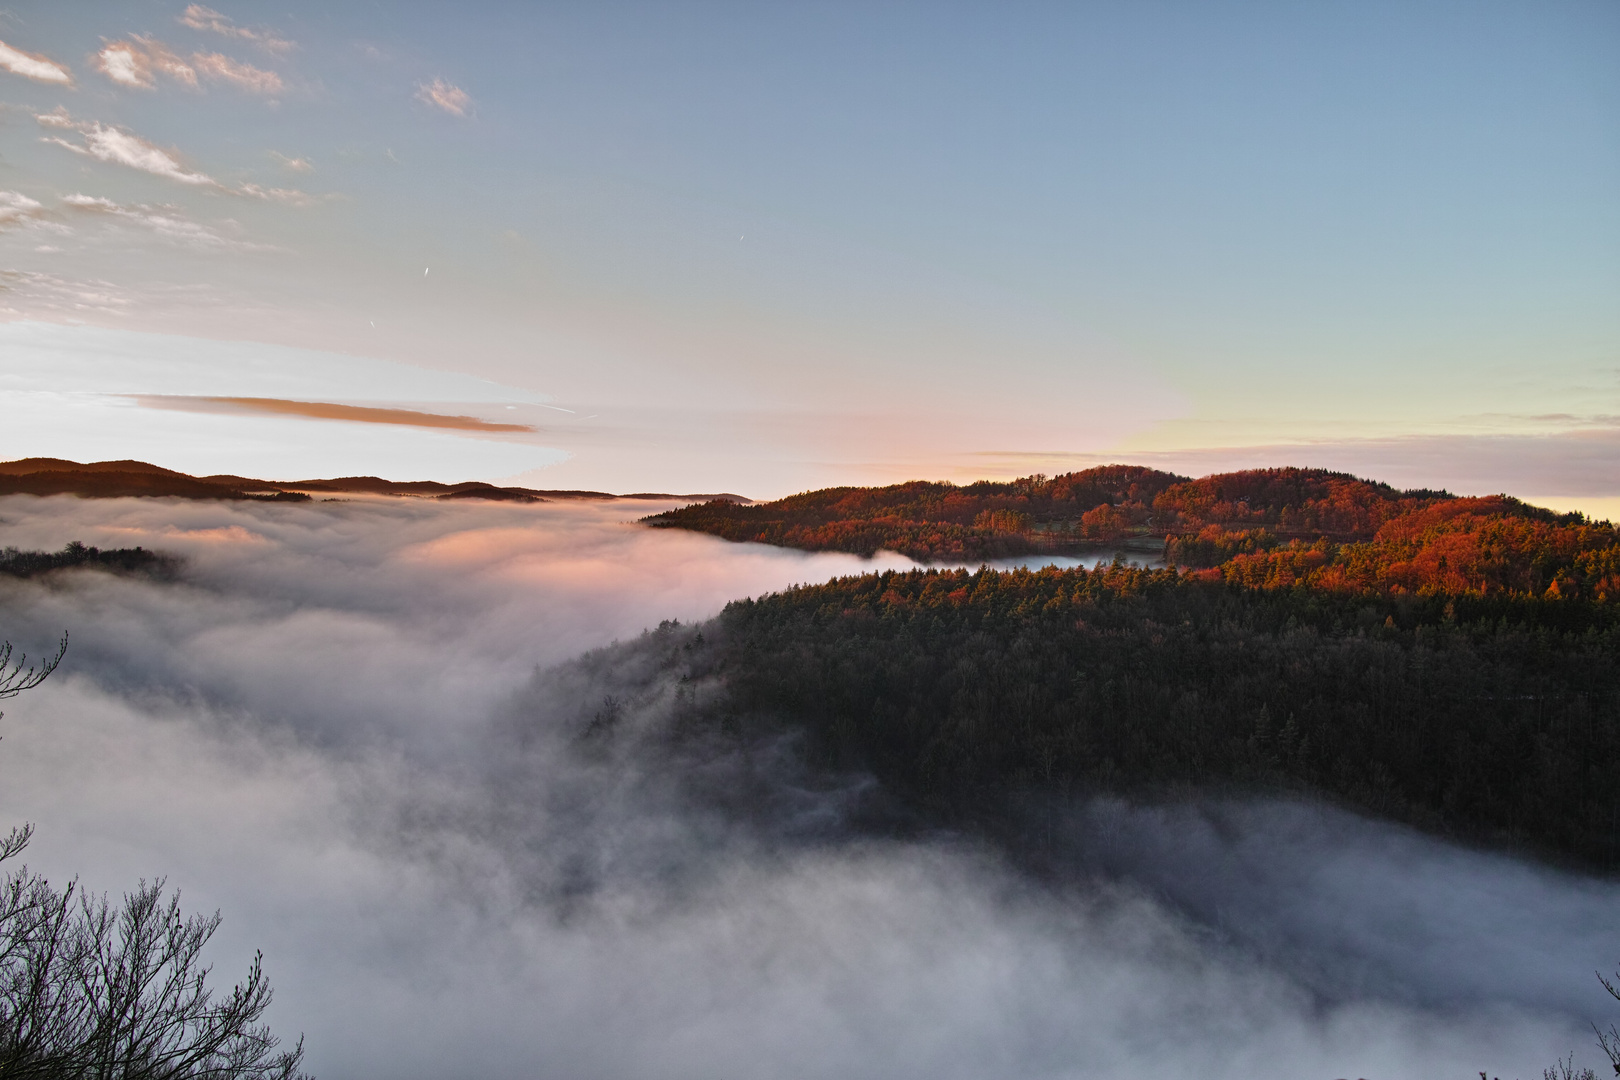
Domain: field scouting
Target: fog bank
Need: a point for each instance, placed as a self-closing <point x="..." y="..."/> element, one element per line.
<point x="363" y="730"/>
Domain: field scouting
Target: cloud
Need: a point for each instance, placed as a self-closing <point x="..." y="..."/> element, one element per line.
<point x="91" y="202"/>
<point x="443" y="95"/>
<point x="221" y="68"/>
<point x="289" y="196"/>
<point x="19" y="211"/>
<point x="198" y="17"/>
<point x="293" y="164"/>
<point x="16" y="207"/>
<point x="28" y="293"/>
<point x="330" y="729"/>
<point x="121" y="148"/>
<point x="33" y="66"/>
<point x="138" y="61"/>
<point x="324" y="410"/>
<point x="122" y="64"/>
<point x="165" y="223"/>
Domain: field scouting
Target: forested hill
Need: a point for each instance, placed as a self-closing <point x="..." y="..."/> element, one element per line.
<point x="1449" y="662"/>
<point x="1285" y="521"/>
<point x="940" y="521"/>
<point x="1486" y="717"/>
<point x="123" y="479"/>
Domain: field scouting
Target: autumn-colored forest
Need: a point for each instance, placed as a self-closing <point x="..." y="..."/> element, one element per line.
<point x="1265" y="528"/>
<point x="1449" y="662"/>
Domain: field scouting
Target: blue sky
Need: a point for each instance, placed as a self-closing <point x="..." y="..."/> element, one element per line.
<point x="759" y="247"/>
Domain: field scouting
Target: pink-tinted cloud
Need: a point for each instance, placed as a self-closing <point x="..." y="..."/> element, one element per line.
<point x="138" y="61"/>
<point x="220" y="68"/>
<point x="33" y="66"/>
<point x="198" y="17"/>
<point x="325" y="410"/>
<point x="15" y="208"/>
<point x="119" y="147"/>
<point x="444" y="95"/>
<point x="122" y="64"/>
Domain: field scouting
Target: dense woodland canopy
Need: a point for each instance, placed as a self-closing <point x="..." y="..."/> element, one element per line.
<point x="1264" y="526"/>
<point x="1493" y="718"/>
<point x="1449" y="662"/>
<point x="15" y="563"/>
<point x="940" y="521"/>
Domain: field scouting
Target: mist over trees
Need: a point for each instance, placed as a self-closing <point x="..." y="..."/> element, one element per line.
<point x="945" y="685"/>
<point x="1453" y="663"/>
<point x="93" y="989"/>
<point x="1447" y="663"/>
<point x="15" y="563"/>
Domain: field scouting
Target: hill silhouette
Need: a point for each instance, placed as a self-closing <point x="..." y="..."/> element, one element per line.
<point x="116" y="479"/>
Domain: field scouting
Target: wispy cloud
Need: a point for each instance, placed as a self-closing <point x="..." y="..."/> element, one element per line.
<point x="90" y="202"/>
<point x="289" y="196"/>
<point x="18" y="211"/>
<point x="198" y="17"/>
<point x="220" y="68"/>
<point x="444" y="95"/>
<point x="119" y="147"/>
<point x="163" y="222"/>
<point x="29" y="292"/>
<point x="16" y="207"/>
<point x="293" y="164"/>
<point x="33" y="66"/>
<point x="326" y="410"/>
<point x="138" y="61"/>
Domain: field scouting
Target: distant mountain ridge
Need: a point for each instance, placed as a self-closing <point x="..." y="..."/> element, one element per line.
<point x="118" y="479"/>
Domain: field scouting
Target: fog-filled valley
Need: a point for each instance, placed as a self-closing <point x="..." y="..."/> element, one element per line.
<point x="433" y="760"/>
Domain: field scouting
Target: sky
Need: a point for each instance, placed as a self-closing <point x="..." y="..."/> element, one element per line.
<point x="764" y="247"/>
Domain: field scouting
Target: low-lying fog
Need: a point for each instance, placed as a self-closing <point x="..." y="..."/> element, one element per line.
<point x="332" y="728"/>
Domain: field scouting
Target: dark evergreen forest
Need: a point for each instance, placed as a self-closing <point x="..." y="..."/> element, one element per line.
<point x="1491" y="719"/>
<point x="17" y="563"/>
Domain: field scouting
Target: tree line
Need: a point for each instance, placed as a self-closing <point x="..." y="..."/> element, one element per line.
<point x="1485" y="717"/>
<point x="936" y="522"/>
<point x="17" y="563"/>
<point x="1201" y="522"/>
